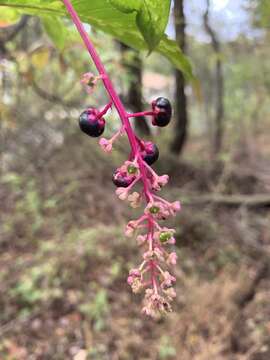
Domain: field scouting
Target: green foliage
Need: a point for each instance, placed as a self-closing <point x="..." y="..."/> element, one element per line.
<point x="166" y="350"/>
<point x="28" y="205"/>
<point x="96" y="309"/>
<point x="151" y="17"/>
<point x="56" y="30"/>
<point x="151" y="20"/>
<point x="37" y="284"/>
<point x="8" y="16"/>
<point x="262" y="12"/>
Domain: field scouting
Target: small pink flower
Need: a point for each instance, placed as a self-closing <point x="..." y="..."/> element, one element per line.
<point x="168" y="279"/>
<point x="172" y="258"/>
<point x="130" y="228"/>
<point x="122" y="193"/>
<point x="158" y="210"/>
<point x="135" y="281"/>
<point x="155" y="304"/>
<point x="90" y="80"/>
<point x="153" y="208"/>
<point x="176" y="206"/>
<point x="148" y="255"/>
<point x="169" y="293"/>
<point x="163" y="180"/>
<point x="106" y="145"/>
<point x="141" y="239"/>
<point x="130" y="280"/>
<point x="134" y="199"/>
<point x="159" y="254"/>
<point x="134" y="272"/>
<point x="172" y="241"/>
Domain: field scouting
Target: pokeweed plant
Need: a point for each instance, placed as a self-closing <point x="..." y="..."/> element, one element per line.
<point x="152" y="276"/>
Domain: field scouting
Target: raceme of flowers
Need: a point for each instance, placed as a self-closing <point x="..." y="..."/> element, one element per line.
<point x="137" y="184"/>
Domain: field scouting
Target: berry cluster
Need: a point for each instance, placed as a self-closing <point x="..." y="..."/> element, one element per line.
<point x="152" y="276"/>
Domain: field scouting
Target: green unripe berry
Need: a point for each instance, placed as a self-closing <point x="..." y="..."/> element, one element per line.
<point x="131" y="169"/>
<point x="154" y="209"/>
<point x="165" y="236"/>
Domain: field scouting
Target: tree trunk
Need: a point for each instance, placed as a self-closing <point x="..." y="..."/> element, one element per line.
<point x="219" y="113"/>
<point x="181" y="115"/>
<point x="134" y="101"/>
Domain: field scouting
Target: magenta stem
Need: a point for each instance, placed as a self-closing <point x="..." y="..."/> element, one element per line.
<point x="112" y="93"/>
<point x="142" y="113"/>
<point x="105" y="109"/>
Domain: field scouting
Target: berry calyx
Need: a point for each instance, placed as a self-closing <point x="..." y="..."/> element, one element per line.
<point x="122" y="179"/>
<point x="163" y="111"/>
<point x="150" y="153"/>
<point x="90" y="122"/>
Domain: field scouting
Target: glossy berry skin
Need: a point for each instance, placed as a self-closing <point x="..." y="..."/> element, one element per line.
<point x="163" y="109"/>
<point x="122" y="180"/>
<point x="90" y="123"/>
<point x="150" y="153"/>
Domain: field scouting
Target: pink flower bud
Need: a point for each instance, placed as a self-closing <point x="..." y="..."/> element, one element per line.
<point x="141" y="239"/>
<point x="172" y="258"/>
<point x="159" y="254"/>
<point x="90" y="80"/>
<point x="135" y="272"/>
<point x="176" y="206"/>
<point x="122" y="193"/>
<point x="130" y="228"/>
<point x="106" y="145"/>
<point x="163" y="180"/>
<point x="130" y="280"/>
<point x="134" y="199"/>
<point x="168" y="279"/>
<point x="148" y="255"/>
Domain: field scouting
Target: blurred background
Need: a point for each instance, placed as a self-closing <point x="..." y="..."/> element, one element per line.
<point x="63" y="256"/>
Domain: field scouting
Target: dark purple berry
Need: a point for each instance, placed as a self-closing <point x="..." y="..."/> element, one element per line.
<point x="162" y="107"/>
<point x="90" y="123"/>
<point x="122" y="180"/>
<point x="150" y="153"/>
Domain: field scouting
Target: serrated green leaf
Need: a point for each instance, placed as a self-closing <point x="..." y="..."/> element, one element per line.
<point x="104" y="16"/>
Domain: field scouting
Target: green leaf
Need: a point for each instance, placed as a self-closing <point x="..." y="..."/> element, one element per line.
<point x="151" y="17"/>
<point x="171" y="51"/>
<point x="127" y="6"/>
<point x="102" y="15"/>
<point x="56" y="30"/>
<point x="8" y="16"/>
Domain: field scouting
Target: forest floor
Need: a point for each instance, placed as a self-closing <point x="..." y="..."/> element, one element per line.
<point x="64" y="262"/>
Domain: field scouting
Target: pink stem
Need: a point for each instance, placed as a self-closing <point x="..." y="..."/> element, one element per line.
<point x="143" y="113"/>
<point x="111" y="91"/>
<point x="105" y="109"/>
<point x="152" y="263"/>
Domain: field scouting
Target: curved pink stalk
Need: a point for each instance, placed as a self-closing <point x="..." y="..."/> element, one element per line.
<point x="110" y="89"/>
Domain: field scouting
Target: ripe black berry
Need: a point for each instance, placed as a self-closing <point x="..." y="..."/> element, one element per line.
<point x="122" y="180"/>
<point x="162" y="107"/>
<point x="150" y="153"/>
<point x="90" y="123"/>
